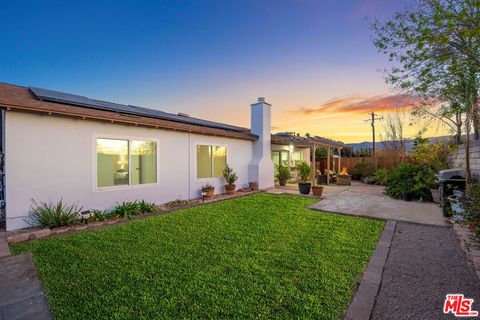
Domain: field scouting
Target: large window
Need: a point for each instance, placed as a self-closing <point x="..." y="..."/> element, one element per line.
<point x="211" y="161"/>
<point x="126" y="162"/>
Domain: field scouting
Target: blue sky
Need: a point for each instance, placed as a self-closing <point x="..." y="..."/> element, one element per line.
<point x="207" y="58"/>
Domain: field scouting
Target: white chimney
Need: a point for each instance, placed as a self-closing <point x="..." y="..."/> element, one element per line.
<point x="261" y="167"/>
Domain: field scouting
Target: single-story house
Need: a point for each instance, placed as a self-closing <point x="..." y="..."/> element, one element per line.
<point x="95" y="153"/>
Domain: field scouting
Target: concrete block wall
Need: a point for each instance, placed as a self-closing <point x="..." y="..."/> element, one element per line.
<point x="457" y="158"/>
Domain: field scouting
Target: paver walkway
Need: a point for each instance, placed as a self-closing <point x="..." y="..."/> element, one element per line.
<point x="369" y="201"/>
<point x="21" y="294"/>
<point x="424" y="264"/>
<point x="382" y="207"/>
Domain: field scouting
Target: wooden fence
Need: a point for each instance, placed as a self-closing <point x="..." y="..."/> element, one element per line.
<point x="349" y="162"/>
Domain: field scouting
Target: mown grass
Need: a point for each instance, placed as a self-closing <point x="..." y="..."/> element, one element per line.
<point x="261" y="256"/>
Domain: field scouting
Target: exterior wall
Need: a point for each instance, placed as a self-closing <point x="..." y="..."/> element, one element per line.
<point x="239" y="154"/>
<point x="457" y="159"/>
<point x="305" y="151"/>
<point x="49" y="158"/>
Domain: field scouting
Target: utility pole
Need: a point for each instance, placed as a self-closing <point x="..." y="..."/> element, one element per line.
<point x="372" y="122"/>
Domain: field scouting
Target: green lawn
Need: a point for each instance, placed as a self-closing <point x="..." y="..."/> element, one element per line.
<point x="260" y="256"/>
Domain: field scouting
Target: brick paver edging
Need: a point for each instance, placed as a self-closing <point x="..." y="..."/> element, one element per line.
<point x="469" y="245"/>
<point x="23" y="235"/>
<point x="362" y="304"/>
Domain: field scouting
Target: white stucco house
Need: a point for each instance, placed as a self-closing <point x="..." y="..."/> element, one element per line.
<point x="95" y="153"/>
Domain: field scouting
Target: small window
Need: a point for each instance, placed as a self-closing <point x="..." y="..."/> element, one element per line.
<point x="126" y="162"/>
<point x="211" y="161"/>
<point x="204" y="162"/>
<point x="297" y="157"/>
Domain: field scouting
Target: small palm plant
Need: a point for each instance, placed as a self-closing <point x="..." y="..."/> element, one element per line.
<point x="54" y="214"/>
<point x="303" y="173"/>
<point x="283" y="174"/>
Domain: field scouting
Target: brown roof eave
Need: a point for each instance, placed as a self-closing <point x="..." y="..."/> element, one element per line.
<point x="113" y="117"/>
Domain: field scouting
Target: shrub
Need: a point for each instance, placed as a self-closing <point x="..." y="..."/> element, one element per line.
<point x="127" y="209"/>
<point x="362" y="170"/>
<point x="380" y="176"/>
<point x="303" y="171"/>
<point x="472" y="205"/>
<point x="410" y="178"/>
<point x="434" y="156"/>
<point x="102" y="215"/>
<point x="283" y="172"/>
<point x="146" y="206"/>
<point x="229" y="175"/>
<point x="54" y="214"/>
<point x="99" y="215"/>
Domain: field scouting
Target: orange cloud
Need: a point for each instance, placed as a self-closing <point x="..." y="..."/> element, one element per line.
<point x="360" y="104"/>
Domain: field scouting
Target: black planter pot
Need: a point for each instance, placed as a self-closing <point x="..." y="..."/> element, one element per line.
<point x="407" y="196"/>
<point x="304" y="188"/>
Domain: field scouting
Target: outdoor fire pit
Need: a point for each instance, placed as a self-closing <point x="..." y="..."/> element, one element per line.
<point x="343" y="178"/>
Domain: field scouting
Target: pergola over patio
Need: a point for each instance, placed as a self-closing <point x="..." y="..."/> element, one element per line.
<point x="290" y="138"/>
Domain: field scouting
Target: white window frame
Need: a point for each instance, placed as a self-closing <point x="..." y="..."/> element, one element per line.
<point x="130" y="186"/>
<point x="213" y="169"/>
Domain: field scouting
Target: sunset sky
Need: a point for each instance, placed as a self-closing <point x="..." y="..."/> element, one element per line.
<point x="312" y="60"/>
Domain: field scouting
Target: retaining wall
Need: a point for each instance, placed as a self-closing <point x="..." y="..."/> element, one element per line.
<point x="457" y="158"/>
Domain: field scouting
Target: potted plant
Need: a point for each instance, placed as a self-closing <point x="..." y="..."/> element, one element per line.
<point x="283" y="174"/>
<point x="207" y="191"/>
<point x="303" y="172"/>
<point x="230" y="177"/>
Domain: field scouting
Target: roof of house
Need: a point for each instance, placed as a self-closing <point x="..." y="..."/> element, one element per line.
<point x="50" y="102"/>
<point x="290" y="138"/>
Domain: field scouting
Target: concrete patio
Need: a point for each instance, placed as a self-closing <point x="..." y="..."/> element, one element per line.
<point x="369" y="201"/>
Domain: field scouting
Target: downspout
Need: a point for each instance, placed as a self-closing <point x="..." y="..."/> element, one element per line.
<point x="3" y="174"/>
<point x="189" y="168"/>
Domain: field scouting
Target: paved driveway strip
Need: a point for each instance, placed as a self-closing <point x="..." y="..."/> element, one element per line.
<point x="424" y="264"/>
<point x="362" y="304"/>
<point x="21" y="294"/>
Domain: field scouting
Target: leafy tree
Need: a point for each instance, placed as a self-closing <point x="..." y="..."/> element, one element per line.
<point x="435" y="49"/>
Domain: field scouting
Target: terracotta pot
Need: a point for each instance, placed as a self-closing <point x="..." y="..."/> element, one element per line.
<point x="317" y="191"/>
<point x="283" y="182"/>
<point x="253" y="185"/>
<point x="230" y="188"/>
<point x="208" y="192"/>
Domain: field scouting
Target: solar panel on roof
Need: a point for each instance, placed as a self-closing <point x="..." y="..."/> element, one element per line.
<point x="82" y="101"/>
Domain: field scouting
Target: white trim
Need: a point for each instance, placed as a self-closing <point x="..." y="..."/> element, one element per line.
<point x="227" y="146"/>
<point x="130" y="186"/>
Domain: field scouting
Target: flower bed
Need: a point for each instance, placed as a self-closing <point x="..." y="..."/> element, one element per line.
<point x="28" y="234"/>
